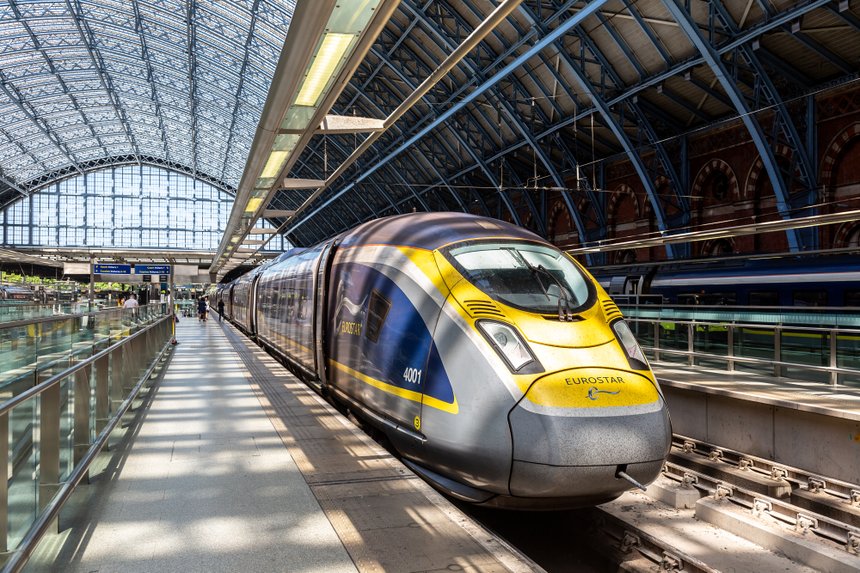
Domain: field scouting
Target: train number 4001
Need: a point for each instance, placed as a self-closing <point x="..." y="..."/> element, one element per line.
<point x="412" y="375"/>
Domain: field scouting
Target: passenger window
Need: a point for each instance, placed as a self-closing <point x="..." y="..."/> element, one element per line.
<point x="764" y="298"/>
<point x="852" y="297"/>
<point x="810" y="298"/>
<point x="377" y="310"/>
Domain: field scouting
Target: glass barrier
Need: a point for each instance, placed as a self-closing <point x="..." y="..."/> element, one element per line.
<point x="829" y="355"/>
<point x="51" y="432"/>
<point x="34" y="351"/>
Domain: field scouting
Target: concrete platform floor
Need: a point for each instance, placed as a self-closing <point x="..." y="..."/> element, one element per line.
<point x="238" y="466"/>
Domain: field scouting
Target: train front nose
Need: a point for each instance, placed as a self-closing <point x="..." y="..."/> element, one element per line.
<point x="575" y="430"/>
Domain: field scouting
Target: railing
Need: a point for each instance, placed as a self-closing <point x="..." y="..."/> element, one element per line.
<point x="819" y="354"/>
<point x="31" y="350"/>
<point x="52" y="432"/>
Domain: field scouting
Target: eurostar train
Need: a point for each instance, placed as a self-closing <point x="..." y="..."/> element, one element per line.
<point x="496" y="366"/>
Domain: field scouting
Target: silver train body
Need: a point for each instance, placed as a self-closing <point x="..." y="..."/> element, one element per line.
<point x="496" y="365"/>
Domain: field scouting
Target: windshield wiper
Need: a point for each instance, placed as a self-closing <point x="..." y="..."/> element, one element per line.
<point x="564" y="313"/>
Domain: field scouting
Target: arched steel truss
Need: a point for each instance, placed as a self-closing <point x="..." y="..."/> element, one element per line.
<point x="624" y="88"/>
<point x="644" y="106"/>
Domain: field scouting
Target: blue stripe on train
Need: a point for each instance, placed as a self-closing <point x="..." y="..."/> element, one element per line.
<point x="404" y="341"/>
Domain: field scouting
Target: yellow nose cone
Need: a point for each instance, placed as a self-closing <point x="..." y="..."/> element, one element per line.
<point x="592" y="388"/>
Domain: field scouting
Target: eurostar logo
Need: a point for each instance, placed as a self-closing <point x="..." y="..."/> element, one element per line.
<point x="594" y="392"/>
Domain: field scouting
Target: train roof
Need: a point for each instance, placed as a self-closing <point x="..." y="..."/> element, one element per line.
<point x="432" y="231"/>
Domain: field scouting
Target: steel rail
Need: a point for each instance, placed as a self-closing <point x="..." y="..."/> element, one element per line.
<point x="760" y="504"/>
<point x="18" y="559"/>
<point x="814" y="482"/>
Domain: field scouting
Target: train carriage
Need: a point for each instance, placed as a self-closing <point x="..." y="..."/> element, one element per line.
<point x="496" y="366"/>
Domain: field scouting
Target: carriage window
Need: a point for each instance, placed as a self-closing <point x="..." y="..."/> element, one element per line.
<point x="764" y="298"/>
<point x="852" y="297"/>
<point x="377" y="310"/>
<point x="810" y="298"/>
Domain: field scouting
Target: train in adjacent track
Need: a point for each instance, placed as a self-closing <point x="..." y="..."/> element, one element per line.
<point x="496" y="366"/>
<point x="785" y="281"/>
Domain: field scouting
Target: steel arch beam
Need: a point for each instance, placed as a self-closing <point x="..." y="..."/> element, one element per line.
<point x="483" y="166"/>
<point x="688" y="25"/>
<point x="574" y="20"/>
<point x="138" y="26"/>
<point x="527" y="134"/>
<point x="241" y="84"/>
<point x="89" y="41"/>
<point x="313" y="173"/>
<point x="802" y="156"/>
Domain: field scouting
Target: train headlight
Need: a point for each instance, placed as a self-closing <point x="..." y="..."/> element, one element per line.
<point x="634" y="353"/>
<point x="508" y="343"/>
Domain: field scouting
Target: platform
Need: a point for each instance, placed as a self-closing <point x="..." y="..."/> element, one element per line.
<point x="238" y="466"/>
<point x="808" y="425"/>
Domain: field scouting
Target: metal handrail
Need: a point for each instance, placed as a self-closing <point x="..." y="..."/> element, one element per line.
<point x="18" y="558"/>
<point x="57" y="318"/>
<point x="763" y="326"/>
<point x="42" y="386"/>
<point x="752" y="360"/>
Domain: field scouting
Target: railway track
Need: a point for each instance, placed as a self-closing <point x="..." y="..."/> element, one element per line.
<point x="713" y="509"/>
<point x="810" y="519"/>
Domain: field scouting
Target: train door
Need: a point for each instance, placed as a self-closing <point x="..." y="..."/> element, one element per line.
<point x="252" y="304"/>
<point x="321" y="276"/>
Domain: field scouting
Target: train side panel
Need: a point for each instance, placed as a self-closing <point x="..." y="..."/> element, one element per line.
<point x="380" y="327"/>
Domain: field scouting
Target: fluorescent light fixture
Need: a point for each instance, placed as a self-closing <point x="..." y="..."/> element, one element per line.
<point x="326" y="61"/>
<point x="275" y="163"/>
<point x="253" y="204"/>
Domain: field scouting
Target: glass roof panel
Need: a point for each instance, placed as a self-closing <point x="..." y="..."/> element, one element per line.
<point x="84" y="81"/>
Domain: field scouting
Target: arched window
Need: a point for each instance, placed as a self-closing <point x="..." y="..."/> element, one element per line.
<point x="134" y="206"/>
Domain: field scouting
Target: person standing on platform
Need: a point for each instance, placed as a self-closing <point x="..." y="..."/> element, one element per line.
<point x="201" y="309"/>
<point x="131" y="302"/>
<point x="220" y="310"/>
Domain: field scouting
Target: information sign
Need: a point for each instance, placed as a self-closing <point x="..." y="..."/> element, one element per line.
<point x="152" y="269"/>
<point x="112" y="269"/>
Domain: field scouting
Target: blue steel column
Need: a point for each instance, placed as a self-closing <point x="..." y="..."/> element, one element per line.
<point x="685" y="21"/>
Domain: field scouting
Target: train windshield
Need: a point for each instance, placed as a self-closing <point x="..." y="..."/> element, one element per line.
<point x="533" y="277"/>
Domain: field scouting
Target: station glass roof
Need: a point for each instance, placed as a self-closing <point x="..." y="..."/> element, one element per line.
<point x="175" y="83"/>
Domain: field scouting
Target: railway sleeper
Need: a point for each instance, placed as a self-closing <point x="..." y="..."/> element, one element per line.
<point x="837" y="508"/>
<point x="637" y="551"/>
<point x="802" y="537"/>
